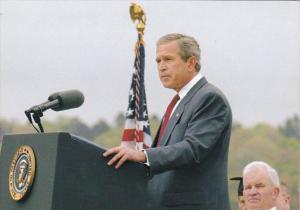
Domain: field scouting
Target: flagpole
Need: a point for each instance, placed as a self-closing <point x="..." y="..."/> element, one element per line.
<point x="136" y="134"/>
<point x="137" y="15"/>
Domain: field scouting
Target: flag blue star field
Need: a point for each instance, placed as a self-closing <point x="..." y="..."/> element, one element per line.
<point x="136" y="133"/>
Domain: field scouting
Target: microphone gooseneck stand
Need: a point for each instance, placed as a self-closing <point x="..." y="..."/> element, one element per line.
<point x="36" y="114"/>
<point x="57" y="101"/>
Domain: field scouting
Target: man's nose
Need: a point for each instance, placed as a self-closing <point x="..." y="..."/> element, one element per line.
<point x="253" y="191"/>
<point x="161" y="66"/>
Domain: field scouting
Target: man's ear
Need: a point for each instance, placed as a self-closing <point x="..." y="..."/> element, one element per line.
<point x="276" y="192"/>
<point x="192" y="61"/>
<point x="287" y="199"/>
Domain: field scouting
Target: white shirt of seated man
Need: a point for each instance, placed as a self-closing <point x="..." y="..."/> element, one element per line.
<point x="261" y="186"/>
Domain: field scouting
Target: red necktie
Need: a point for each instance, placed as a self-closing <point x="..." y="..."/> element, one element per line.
<point x="167" y="117"/>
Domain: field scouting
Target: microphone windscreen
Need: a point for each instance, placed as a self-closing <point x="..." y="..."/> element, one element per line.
<point x="67" y="99"/>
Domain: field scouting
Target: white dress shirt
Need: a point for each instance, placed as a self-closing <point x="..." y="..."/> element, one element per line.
<point x="187" y="88"/>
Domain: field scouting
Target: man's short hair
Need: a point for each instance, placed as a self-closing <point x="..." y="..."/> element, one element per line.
<point x="259" y="165"/>
<point x="188" y="46"/>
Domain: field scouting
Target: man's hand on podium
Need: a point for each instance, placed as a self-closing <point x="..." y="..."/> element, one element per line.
<point x="122" y="154"/>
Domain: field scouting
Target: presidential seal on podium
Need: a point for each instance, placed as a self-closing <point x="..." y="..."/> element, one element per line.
<point x="21" y="173"/>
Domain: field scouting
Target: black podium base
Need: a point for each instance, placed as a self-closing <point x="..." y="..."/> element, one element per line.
<point x="71" y="174"/>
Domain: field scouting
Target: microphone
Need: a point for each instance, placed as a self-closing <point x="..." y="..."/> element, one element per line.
<point x="59" y="101"/>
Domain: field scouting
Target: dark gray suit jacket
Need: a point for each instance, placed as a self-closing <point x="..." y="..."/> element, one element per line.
<point x="190" y="168"/>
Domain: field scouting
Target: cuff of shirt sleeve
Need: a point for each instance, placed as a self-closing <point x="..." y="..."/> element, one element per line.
<point x="147" y="160"/>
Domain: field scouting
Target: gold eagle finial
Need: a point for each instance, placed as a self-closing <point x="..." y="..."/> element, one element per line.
<point x="138" y="16"/>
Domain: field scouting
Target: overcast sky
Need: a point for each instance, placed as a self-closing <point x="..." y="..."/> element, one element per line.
<point x="250" y="50"/>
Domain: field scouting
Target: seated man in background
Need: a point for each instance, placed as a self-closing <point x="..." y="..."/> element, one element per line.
<point x="283" y="200"/>
<point x="261" y="186"/>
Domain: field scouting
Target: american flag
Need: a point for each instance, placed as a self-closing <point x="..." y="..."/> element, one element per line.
<point x="136" y="133"/>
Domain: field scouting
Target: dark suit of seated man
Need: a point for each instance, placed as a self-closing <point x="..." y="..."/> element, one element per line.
<point x="188" y="158"/>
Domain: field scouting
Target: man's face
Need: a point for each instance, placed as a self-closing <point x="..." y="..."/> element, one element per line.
<point x="259" y="192"/>
<point x="173" y="72"/>
<point x="242" y="205"/>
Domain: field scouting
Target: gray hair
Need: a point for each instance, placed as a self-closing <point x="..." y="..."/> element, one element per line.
<point x="255" y="165"/>
<point x="188" y="46"/>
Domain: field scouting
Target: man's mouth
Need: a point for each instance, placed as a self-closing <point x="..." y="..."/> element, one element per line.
<point x="164" y="77"/>
<point x="254" y="200"/>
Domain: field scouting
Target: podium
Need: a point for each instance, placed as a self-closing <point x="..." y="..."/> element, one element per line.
<point x="70" y="174"/>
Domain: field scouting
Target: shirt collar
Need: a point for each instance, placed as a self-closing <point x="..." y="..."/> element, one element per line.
<point x="189" y="85"/>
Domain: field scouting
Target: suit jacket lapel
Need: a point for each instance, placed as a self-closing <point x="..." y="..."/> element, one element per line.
<point x="154" y="142"/>
<point x="179" y="110"/>
<point x="171" y="124"/>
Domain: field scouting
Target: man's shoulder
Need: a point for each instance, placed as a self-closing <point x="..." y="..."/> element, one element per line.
<point x="209" y="94"/>
<point x="209" y="89"/>
<point x="203" y="85"/>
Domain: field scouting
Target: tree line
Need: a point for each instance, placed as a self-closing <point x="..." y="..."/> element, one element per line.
<point x="279" y="146"/>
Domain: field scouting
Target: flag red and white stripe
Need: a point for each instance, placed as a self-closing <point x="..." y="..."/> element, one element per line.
<point x="136" y="132"/>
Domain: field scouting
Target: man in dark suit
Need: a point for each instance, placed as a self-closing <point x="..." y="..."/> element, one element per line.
<point x="188" y="158"/>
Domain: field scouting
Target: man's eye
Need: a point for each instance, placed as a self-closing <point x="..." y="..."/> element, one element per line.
<point x="247" y="188"/>
<point x="259" y="186"/>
